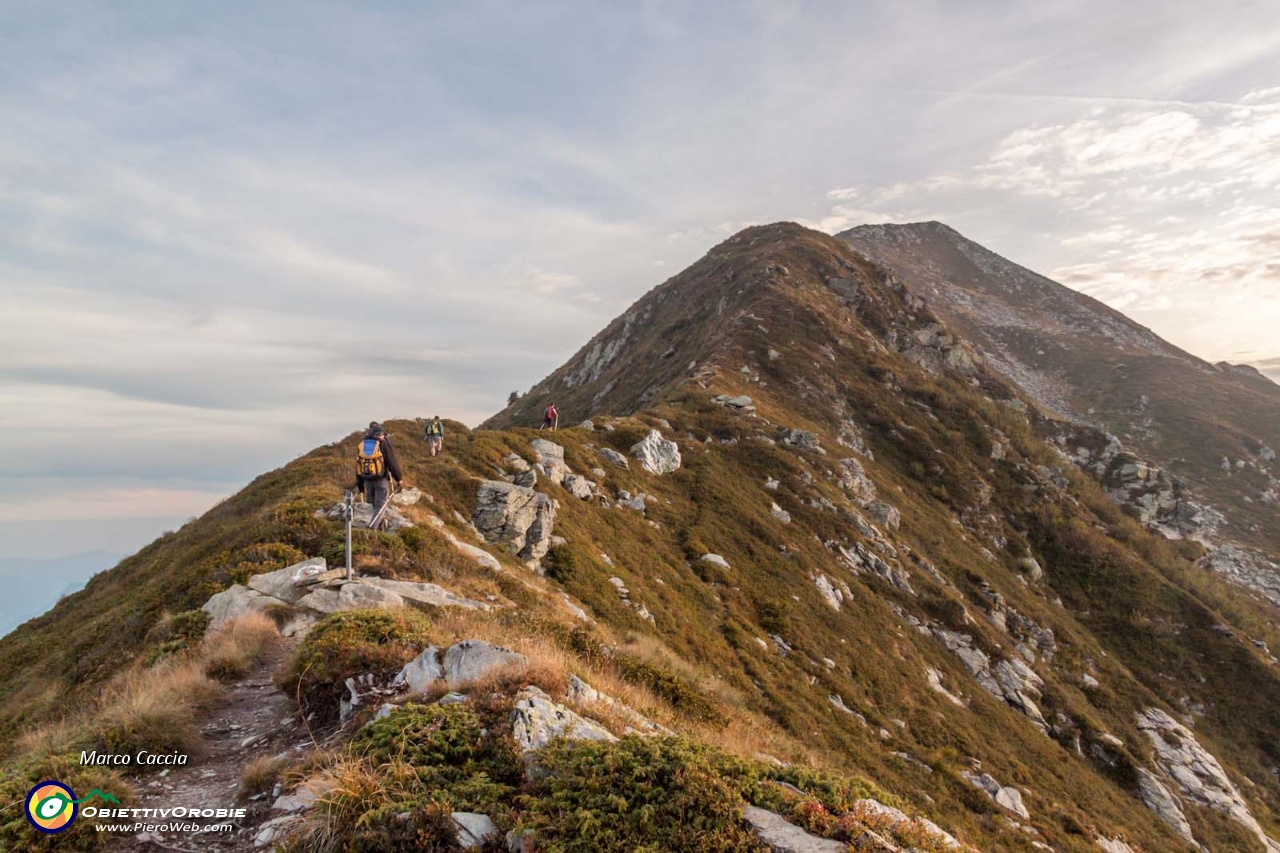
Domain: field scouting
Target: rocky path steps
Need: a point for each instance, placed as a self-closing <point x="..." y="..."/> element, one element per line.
<point x="253" y="720"/>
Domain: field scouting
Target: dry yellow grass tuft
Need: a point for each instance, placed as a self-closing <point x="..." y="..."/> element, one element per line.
<point x="234" y="648"/>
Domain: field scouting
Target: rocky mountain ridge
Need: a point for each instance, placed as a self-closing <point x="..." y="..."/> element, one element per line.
<point x="1207" y="429"/>
<point x="807" y="546"/>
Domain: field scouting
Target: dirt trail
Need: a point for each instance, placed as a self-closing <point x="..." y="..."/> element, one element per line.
<point x="254" y="719"/>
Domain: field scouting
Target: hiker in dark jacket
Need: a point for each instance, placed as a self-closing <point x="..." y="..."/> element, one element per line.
<point x="376" y="467"/>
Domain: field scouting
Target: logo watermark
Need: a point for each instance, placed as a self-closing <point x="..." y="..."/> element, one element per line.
<point x="52" y="807"/>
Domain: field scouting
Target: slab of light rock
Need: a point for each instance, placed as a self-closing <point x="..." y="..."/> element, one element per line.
<point x="472" y="659"/>
<point x="781" y="836"/>
<point x="656" y="454"/>
<point x="284" y="583"/>
<point x="715" y="560"/>
<point x="415" y="594"/>
<point x="1156" y="797"/>
<point x="235" y="601"/>
<point x="474" y="829"/>
<point x="536" y="721"/>
<point x="407" y="497"/>
<point x="1196" y="772"/>
<point x="886" y="514"/>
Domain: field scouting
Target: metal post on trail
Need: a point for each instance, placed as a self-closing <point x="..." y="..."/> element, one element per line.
<point x="349" y="512"/>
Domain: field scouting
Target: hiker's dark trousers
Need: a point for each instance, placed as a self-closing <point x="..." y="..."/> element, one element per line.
<point x="376" y="493"/>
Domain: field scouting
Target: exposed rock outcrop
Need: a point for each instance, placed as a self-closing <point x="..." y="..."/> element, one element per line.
<point x="537" y="720"/>
<point x="550" y="460"/>
<point x="656" y="454"/>
<point x="1011" y="680"/>
<point x="1195" y="772"/>
<point x="517" y="518"/>
<point x="782" y="836"/>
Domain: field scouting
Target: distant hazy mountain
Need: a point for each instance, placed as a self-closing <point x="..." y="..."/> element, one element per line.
<point x="33" y="586"/>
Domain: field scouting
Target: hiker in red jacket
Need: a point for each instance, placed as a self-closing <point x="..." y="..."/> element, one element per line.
<point x="550" y="418"/>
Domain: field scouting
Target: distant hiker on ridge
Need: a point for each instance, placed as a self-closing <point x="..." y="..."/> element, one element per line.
<point x="435" y="436"/>
<point x="376" y="466"/>
<point x="550" y="418"/>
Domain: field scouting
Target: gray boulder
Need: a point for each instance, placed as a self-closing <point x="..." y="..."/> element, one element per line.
<point x="578" y="486"/>
<point x="421" y="672"/>
<point x="551" y="458"/>
<point x="1196" y="772"/>
<point x="416" y="594"/>
<point x="656" y="454"/>
<point x="614" y="457"/>
<point x="518" y="518"/>
<point x="473" y="659"/>
<point x="362" y="515"/>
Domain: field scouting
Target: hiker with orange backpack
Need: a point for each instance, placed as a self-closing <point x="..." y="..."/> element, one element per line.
<point x="376" y="467"/>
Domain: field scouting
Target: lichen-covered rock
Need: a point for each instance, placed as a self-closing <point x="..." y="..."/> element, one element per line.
<point x="1006" y="797"/>
<point x="893" y="818"/>
<point x="656" y="454"/>
<point x="518" y="518"/>
<point x="884" y="513"/>
<point x="362" y="516"/>
<point x="581" y="693"/>
<point x="536" y="721"/>
<point x="1011" y="680"/>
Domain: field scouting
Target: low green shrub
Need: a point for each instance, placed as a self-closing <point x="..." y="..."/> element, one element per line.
<point x="344" y="645"/>
<point x="638" y="793"/>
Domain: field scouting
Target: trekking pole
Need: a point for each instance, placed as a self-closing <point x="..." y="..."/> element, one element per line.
<point x="349" y="513"/>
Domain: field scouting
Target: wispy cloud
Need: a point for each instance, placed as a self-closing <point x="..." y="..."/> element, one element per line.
<point x="242" y="231"/>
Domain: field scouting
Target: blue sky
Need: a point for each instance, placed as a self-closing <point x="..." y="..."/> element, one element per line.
<point x="230" y="232"/>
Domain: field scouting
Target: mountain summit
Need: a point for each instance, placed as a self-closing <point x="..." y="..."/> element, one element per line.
<point x="1212" y="427"/>
<point x="813" y="566"/>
